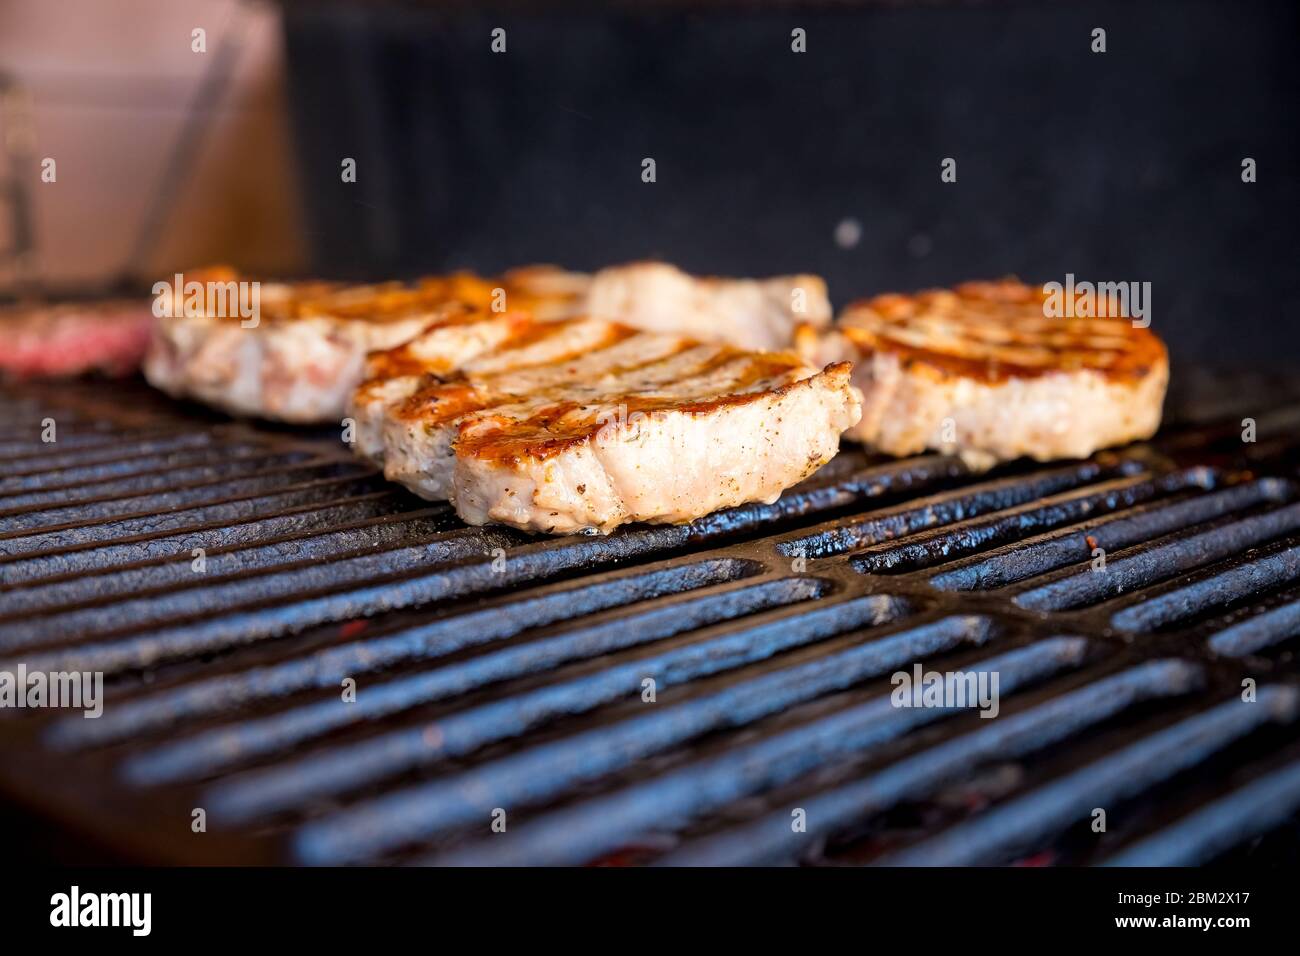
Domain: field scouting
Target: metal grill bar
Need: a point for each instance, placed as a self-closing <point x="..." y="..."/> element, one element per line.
<point x="333" y="513"/>
<point x="943" y="509"/>
<point x="1257" y="633"/>
<point x="218" y="749"/>
<point x="998" y="834"/>
<point x="1040" y="555"/>
<point x="773" y="839"/>
<point x="298" y="578"/>
<point x="134" y="476"/>
<point x="1013" y="524"/>
<point x="1126" y="571"/>
<point x="1222" y="589"/>
<point x="692" y="791"/>
<point x="70" y="534"/>
<point x="64" y="593"/>
<point x="1222" y="825"/>
<point x="427" y="642"/>
<point x="348" y="768"/>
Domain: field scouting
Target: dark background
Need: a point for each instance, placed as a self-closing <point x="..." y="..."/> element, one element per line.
<point x="1117" y="166"/>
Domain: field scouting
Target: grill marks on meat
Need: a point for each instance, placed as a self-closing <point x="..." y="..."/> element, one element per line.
<point x="998" y="330"/>
<point x="595" y="424"/>
<point x="982" y="371"/>
<point x="307" y="353"/>
<point x="412" y="431"/>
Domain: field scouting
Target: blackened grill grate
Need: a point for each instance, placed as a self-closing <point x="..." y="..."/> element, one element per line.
<point x="499" y="673"/>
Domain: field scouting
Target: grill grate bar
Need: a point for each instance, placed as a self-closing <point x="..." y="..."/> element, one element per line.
<point x="692" y="791"/>
<point x="840" y="537"/>
<point x="1256" y="633"/>
<point x="530" y="563"/>
<point x="112" y="529"/>
<point x="122" y="473"/>
<point x="212" y="536"/>
<point x="411" y="530"/>
<point x="298" y="579"/>
<point x="1226" y="823"/>
<point x="1127" y="571"/>
<point x="1028" y="820"/>
<point x="549" y="769"/>
<point x="1220" y="590"/>
<point x="1049" y="552"/>
<point x="34" y="449"/>
<point x="52" y="458"/>
<point x="440" y="638"/>
<point x="772" y="839"/>
<point x="951" y="541"/>
<point x="115" y="492"/>
<point x="192" y="496"/>
<point x="226" y="747"/>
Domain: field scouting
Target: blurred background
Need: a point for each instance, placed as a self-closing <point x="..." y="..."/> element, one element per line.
<point x="1116" y="166"/>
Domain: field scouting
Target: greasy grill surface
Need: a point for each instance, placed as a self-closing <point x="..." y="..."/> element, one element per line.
<point x="497" y="672"/>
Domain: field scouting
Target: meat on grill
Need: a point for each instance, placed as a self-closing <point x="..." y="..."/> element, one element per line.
<point x="984" y="372"/>
<point x="584" y="424"/>
<point x="306" y="353"/>
<point x="60" y="341"/>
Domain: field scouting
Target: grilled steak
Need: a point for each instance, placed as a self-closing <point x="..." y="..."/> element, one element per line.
<point x="748" y="313"/>
<point x="585" y="424"/>
<point x="982" y="371"/>
<point x="306" y="353"/>
<point x="59" y="341"/>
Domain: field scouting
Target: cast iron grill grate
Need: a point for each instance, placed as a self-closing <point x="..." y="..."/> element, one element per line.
<point x="496" y="672"/>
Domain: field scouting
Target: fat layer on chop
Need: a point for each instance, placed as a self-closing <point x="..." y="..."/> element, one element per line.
<point x="642" y="427"/>
<point x="984" y="372"/>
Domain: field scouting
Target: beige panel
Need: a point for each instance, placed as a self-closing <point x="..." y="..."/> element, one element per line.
<point x="111" y="86"/>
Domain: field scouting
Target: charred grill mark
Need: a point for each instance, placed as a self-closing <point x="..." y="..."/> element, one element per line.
<point x="443" y="298"/>
<point x="993" y="331"/>
<point x="565" y="424"/>
<point x="409" y="359"/>
<point x="441" y="402"/>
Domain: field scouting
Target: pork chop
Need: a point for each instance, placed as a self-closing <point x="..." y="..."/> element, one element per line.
<point x="584" y="425"/>
<point x="984" y="372"/>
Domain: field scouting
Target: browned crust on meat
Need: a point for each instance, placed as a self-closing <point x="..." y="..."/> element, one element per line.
<point x="994" y="331"/>
<point x="406" y="360"/>
<point x="438" y="401"/>
<point x="460" y="293"/>
<point x="564" y="425"/>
